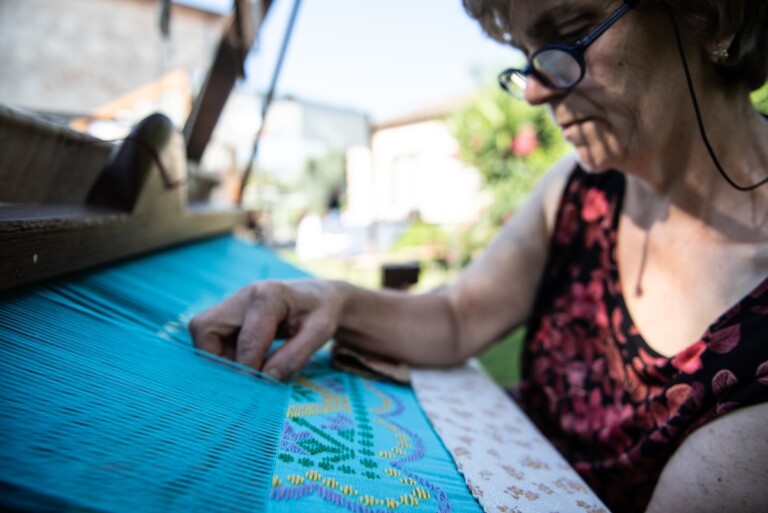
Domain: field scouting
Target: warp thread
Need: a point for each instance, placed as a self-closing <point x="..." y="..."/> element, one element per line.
<point x="106" y="405"/>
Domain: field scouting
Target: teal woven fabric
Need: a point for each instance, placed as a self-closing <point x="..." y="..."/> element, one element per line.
<point x="105" y="404"/>
<point x="360" y="445"/>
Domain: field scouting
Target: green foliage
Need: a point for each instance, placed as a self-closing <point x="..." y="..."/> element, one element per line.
<point x="488" y="131"/>
<point x="760" y="98"/>
<point x="420" y="234"/>
<point x="502" y="359"/>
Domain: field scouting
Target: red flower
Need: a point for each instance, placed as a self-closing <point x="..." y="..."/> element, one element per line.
<point x="525" y="141"/>
<point x="617" y="318"/>
<point x="649" y="360"/>
<point x="595" y="206"/>
<point x="568" y="226"/>
<point x="688" y="360"/>
<point x="586" y="302"/>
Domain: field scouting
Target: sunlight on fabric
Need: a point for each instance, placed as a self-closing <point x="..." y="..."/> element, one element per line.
<point x="106" y="405"/>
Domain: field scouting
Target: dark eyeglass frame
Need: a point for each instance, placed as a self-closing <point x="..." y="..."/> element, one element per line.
<point x="576" y="51"/>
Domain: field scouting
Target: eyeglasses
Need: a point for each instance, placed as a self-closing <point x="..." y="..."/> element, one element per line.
<point x="558" y="66"/>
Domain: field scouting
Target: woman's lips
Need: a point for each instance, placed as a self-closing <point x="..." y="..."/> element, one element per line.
<point x="572" y="126"/>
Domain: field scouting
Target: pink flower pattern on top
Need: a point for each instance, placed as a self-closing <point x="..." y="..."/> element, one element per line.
<point x="615" y="408"/>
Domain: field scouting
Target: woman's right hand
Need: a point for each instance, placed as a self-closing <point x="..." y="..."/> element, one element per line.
<point x="242" y="328"/>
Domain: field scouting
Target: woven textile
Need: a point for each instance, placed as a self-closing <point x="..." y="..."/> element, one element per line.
<point x="105" y="406"/>
<point x="355" y="444"/>
<point x="506" y="461"/>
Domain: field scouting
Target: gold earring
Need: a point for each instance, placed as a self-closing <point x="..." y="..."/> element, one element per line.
<point x="720" y="54"/>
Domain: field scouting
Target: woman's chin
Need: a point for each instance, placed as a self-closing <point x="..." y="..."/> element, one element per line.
<point x="588" y="162"/>
<point x="595" y="160"/>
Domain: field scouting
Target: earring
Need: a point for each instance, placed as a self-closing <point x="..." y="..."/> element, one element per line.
<point x="720" y="54"/>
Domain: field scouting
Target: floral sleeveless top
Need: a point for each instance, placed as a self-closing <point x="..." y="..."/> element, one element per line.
<point x="614" y="407"/>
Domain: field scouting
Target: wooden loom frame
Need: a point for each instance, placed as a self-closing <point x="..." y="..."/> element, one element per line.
<point x="81" y="204"/>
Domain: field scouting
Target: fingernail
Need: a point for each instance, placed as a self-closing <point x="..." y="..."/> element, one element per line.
<point x="274" y="373"/>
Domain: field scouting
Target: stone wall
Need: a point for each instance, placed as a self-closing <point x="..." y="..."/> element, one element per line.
<point x="72" y="56"/>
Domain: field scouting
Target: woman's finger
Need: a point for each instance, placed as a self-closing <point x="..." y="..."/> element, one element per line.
<point x="216" y="329"/>
<point x="297" y="350"/>
<point x="266" y="310"/>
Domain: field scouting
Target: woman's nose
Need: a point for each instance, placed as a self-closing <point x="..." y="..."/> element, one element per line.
<point x="537" y="93"/>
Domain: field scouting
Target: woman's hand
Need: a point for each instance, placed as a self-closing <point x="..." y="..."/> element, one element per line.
<point x="243" y="327"/>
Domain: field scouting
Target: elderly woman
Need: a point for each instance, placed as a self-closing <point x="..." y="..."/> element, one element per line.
<point x="639" y="264"/>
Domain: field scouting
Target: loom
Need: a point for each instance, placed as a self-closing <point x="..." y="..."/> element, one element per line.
<point x="106" y="406"/>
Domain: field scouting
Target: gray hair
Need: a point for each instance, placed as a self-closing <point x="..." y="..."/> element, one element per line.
<point x="700" y="20"/>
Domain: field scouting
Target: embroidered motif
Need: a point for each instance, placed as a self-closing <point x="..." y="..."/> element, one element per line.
<point x="353" y="444"/>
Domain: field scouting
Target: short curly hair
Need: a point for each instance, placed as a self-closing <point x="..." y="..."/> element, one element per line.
<point x="701" y="20"/>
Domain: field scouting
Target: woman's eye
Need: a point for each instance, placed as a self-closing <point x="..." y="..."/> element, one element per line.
<point x="572" y="36"/>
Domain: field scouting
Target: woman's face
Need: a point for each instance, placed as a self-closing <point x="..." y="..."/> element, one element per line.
<point x="632" y="99"/>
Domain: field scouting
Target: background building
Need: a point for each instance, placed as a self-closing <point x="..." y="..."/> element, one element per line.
<point x="411" y="168"/>
<point x="102" y="65"/>
<point x="74" y="57"/>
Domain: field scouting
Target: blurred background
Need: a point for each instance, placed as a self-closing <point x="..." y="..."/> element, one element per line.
<point x="387" y="154"/>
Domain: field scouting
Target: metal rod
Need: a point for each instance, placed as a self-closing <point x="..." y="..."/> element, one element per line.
<point x="268" y="98"/>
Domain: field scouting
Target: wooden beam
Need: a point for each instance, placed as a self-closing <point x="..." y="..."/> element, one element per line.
<point x="137" y="204"/>
<point x="41" y="244"/>
<point x="227" y="67"/>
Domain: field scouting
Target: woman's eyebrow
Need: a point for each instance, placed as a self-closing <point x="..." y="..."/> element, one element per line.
<point x="546" y="26"/>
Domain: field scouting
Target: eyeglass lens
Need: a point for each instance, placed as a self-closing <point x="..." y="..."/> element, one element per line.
<point x="560" y="66"/>
<point x="557" y="67"/>
<point x="554" y="67"/>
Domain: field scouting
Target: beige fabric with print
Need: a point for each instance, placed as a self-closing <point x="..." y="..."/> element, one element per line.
<point x="507" y="463"/>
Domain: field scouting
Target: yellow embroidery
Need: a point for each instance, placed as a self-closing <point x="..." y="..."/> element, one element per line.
<point x="331" y="402"/>
<point x="348" y="490"/>
<point x="295" y="479"/>
<point x="330" y="482"/>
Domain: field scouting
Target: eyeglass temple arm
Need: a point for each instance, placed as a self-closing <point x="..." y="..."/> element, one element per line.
<point x="610" y="20"/>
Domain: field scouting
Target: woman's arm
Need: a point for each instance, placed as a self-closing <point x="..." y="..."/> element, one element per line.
<point x="721" y="466"/>
<point x="492" y="296"/>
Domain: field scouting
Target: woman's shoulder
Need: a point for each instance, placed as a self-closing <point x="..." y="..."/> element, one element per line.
<point x="553" y="186"/>
<point x="720" y="466"/>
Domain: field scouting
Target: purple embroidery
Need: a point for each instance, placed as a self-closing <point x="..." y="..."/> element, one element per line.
<point x="333" y="385"/>
<point x="298" y="492"/>
<point x="418" y="452"/>
<point x="339" y="422"/>
<point x="290" y="439"/>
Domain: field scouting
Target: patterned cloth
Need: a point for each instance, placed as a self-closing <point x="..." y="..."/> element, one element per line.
<point x="615" y="407"/>
<point x="361" y="445"/>
<point x="507" y="463"/>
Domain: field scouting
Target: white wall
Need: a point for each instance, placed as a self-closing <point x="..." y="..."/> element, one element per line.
<point x="413" y="167"/>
